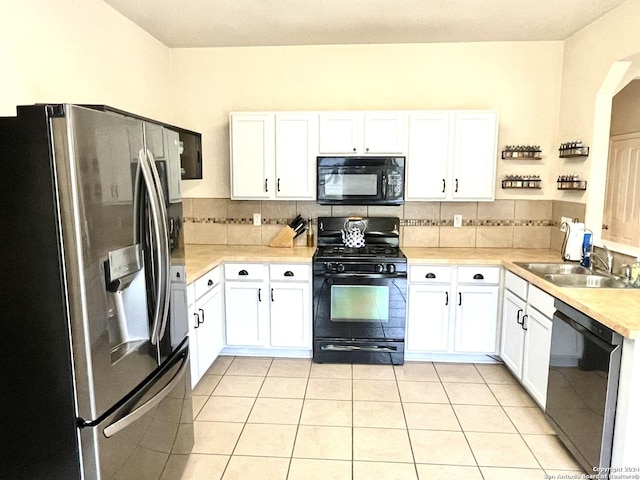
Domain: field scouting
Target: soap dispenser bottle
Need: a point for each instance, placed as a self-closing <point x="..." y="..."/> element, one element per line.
<point x="635" y="274"/>
<point x="586" y="249"/>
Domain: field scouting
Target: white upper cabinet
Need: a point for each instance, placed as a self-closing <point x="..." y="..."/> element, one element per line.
<point x="372" y="133"/>
<point x="452" y="156"/>
<point x="252" y="156"/>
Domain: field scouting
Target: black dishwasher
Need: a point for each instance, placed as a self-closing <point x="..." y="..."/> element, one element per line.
<point x="584" y="369"/>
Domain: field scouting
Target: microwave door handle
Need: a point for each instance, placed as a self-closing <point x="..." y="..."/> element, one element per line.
<point x="384" y="185"/>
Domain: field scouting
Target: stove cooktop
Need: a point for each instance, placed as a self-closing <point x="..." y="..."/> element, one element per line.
<point x="368" y="251"/>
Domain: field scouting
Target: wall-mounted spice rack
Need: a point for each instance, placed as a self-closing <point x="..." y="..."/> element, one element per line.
<point x="522" y="181"/>
<point x="571" y="182"/>
<point x="522" y="152"/>
<point x="573" y="149"/>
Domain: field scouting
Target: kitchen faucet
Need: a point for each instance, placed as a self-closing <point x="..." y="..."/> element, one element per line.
<point x="608" y="263"/>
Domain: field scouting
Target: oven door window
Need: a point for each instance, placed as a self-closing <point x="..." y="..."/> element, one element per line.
<point x="359" y="303"/>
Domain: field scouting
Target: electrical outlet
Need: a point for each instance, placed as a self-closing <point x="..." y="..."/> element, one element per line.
<point x="564" y="220"/>
<point x="257" y="219"/>
<point x="457" y="220"/>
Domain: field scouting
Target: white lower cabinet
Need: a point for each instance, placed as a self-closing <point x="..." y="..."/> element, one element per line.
<point x="246" y="304"/>
<point x="206" y="328"/>
<point x="526" y="334"/>
<point x="452" y="310"/>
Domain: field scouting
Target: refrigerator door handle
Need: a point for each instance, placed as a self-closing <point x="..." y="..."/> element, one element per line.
<point x="127" y="420"/>
<point x="158" y="215"/>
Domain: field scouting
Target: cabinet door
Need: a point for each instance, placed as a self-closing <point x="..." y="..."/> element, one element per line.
<point x="289" y="318"/>
<point x="193" y="319"/>
<point x="384" y="132"/>
<point x="252" y="156"/>
<point x="537" y="345"/>
<point x="210" y="342"/>
<point x="476" y="319"/>
<point x="475" y="156"/>
<point x="512" y="345"/>
<point x="340" y="133"/>
<point x="428" y="318"/>
<point x="296" y="152"/>
<point x="428" y="156"/>
<point x="246" y="313"/>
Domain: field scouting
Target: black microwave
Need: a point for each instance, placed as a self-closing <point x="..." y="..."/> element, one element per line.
<point x="360" y="180"/>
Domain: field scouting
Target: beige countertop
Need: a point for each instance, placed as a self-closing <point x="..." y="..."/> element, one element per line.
<point x="618" y="309"/>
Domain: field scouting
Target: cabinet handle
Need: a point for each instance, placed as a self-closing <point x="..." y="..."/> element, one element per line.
<point x="459" y="299"/>
<point x="197" y="320"/>
<point x="456" y="185"/>
<point x="259" y="294"/>
<point x="354" y="149"/>
<point x="243" y="273"/>
<point x="278" y="186"/>
<point x="446" y="298"/>
<point x="444" y="185"/>
<point x="478" y="276"/>
<point x="202" y="313"/>
<point x="266" y="184"/>
<point x="209" y="283"/>
<point x="522" y="324"/>
<point x="272" y="294"/>
<point x="518" y="316"/>
<point x="366" y="149"/>
<point x="430" y="275"/>
<point x="288" y="273"/>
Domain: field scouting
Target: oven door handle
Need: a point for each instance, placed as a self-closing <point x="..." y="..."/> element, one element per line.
<point x="362" y="275"/>
<point x="357" y="348"/>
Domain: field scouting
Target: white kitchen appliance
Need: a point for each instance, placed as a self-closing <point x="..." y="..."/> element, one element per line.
<point x="572" y="245"/>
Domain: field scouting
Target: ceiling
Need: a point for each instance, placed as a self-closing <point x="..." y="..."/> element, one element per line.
<point x="223" y="23"/>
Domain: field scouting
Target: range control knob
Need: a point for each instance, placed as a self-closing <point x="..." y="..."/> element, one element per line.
<point x="340" y="268"/>
<point x="391" y="268"/>
<point x="329" y="266"/>
<point x="379" y="268"/>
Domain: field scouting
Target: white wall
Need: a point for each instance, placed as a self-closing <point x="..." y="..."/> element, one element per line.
<point x="80" y="51"/>
<point x="519" y="79"/>
<point x="625" y="110"/>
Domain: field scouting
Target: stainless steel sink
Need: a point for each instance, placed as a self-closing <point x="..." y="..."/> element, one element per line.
<point x="589" y="281"/>
<point x="572" y="275"/>
<point x="554" y="268"/>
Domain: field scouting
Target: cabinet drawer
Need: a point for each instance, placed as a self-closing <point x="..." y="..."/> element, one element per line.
<point x="516" y="284"/>
<point x="541" y="301"/>
<point x="245" y="271"/>
<point x="430" y="273"/>
<point x="207" y="282"/>
<point x="289" y="272"/>
<point x="479" y="275"/>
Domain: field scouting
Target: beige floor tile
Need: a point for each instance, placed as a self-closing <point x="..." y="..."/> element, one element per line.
<point x="381" y="444"/>
<point x="226" y="409"/>
<point x="220" y="365"/>
<point x="281" y="387"/>
<point x="512" y="395"/>
<point x="276" y="410"/>
<point x="501" y="450"/>
<point x="238" y="386"/>
<point x="373" y="372"/>
<point x="550" y="452"/>
<point x="496" y="374"/>
<point x="195" y="467"/>
<point x="262" y="440"/>
<point x="215" y="437"/>
<point x="470" y="394"/>
<point x="207" y="384"/>
<point x="255" y="468"/>
<point x="331" y="443"/>
<point x="448" y="472"/>
<point x="458" y="373"/>
<point x="290" y="367"/>
<point x="378" y="414"/>
<point x="335" y="413"/>
<point x="442" y="448"/>
<point x="198" y="402"/>
<point x="483" y="418"/>
<point x="329" y="389"/>
<point x="430" y="416"/>
<point x="422" y="392"/>
<point x="496" y="473"/>
<point x="311" y="469"/>
<point x="386" y="471"/>
<point x="376" y="390"/>
<point x="529" y="420"/>
<point x="416" y="372"/>
<point x="250" y="366"/>
<point x="330" y="370"/>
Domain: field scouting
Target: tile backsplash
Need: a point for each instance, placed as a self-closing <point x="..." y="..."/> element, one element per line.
<point x="498" y="224"/>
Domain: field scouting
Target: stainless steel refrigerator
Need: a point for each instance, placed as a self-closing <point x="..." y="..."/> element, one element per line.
<point x="95" y="355"/>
